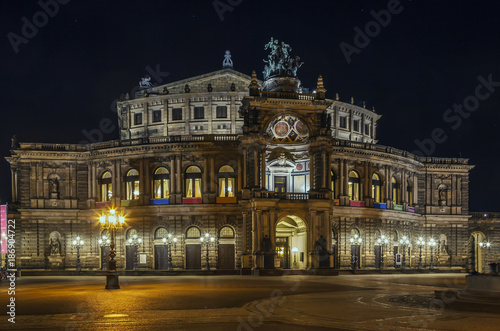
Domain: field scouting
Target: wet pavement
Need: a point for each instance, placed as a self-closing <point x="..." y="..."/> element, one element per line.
<point x="347" y="302"/>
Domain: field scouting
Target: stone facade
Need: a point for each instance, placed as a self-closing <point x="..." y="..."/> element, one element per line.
<point x="279" y="179"/>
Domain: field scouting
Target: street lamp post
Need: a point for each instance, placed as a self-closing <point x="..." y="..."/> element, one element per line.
<point x="111" y="222"/>
<point x="420" y="243"/>
<point x="382" y="242"/>
<point x="484" y="244"/>
<point x="103" y="242"/>
<point x="356" y="242"/>
<point x="136" y="242"/>
<point x="207" y="241"/>
<point x="405" y="242"/>
<point x="169" y="242"/>
<point x="432" y="243"/>
<point x="77" y="244"/>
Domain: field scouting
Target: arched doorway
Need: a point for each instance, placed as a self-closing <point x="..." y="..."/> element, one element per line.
<point x="291" y="243"/>
<point x="476" y="251"/>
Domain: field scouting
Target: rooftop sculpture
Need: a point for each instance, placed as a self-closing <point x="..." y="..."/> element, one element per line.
<point x="279" y="61"/>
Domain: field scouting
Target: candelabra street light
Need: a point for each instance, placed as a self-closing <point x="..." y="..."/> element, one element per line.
<point x="382" y="242"/>
<point x="405" y="242"/>
<point x="78" y="243"/>
<point x="484" y="244"/>
<point x="169" y="241"/>
<point x="356" y="242"/>
<point x="432" y="243"/>
<point x="207" y="241"/>
<point x="111" y="222"/>
<point x="136" y="242"/>
<point x="420" y="243"/>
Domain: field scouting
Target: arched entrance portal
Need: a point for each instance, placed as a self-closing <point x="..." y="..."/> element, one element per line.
<point x="291" y="243"/>
<point x="476" y="251"/>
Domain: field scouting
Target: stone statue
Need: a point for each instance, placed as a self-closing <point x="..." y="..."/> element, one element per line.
<point x="227" y="63"/>
<point x="267" y="245"/>
<point x="55" y="247"/>
<point x="320" y="246"/>
<point x="442" y="194"/>
<point x="145" y="82"/>
<point x="13" y="142"/>
<point x="54" y="185"/>
<point x="279" y="61"/>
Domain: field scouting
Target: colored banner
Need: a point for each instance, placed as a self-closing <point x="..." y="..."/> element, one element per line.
<point x="3" y="228"/>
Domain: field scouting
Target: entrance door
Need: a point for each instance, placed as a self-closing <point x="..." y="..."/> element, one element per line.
<point x="105" y="257"/>
<point x="378" y="262"/>
<point x="226" y="256"/>
<point x="130" y="254"/>
<point x="161" y="257"/>
<point x="280" y="184"/>
<point x="355" y="256"/>
<point x="193" y="256"/>
<point x="283" y="252"/>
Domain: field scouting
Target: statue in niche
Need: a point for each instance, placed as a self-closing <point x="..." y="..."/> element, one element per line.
<point x="320" y="246"/>
<point x="267" y="245"/>
<point x="442" y="194"/>
<point x="54" y="188"/>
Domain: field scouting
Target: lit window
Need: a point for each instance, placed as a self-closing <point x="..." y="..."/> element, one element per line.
<point x="106" y="186"/>
<point x="160" y="233"/>
<point x="161" y="183"/>
<point x="132" y="184"/>
<point x="193" y="182"/>
<point x="354" y="186"/>
<point x="193" y="232"/>
<point x="376" y="188"/>
<point x="226" y="232"/>
<point x="226" y="182"/>
<point x="395" y="190"/>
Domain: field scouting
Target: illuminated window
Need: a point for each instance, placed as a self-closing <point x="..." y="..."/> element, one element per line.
<point x="161" y="183"/>
<point x="395" y="190"/>
<point x="193" y="182"/>
<point x="409" y="193"/>
<point x="227" y="181"/>
<point x="161" y="233"/>
<point x="226" y="232"/>
<point x="106" y="186"/>
<point x="354" y="186"/>
<point x="333" y="182"/>
<point x="131" y="233"/>
<point x="132" y="184"/>
<point x="193" y="232"/>
<point x="376" y="188"/>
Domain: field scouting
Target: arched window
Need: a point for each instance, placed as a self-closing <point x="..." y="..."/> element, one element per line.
<point x="354" y="186"/>
<point x="161" y="183"/>
<point x="226" y="181"/>
<point x="333" y="182"/>
<point x="106" y="186"/>
<point x="193" y="233"/>
<point x="376" y="188"/>
<point x="132" y="184"/>
<point x="160" y="233"/>
<point x="395" y="190"/>
<point x="409" y="193"/>
<point x="193" y="182"/>
<point x="395" y="237"/>
<point x="226" y="232"/>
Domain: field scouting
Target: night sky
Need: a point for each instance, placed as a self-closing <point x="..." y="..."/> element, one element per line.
<point x="65" y="76"/>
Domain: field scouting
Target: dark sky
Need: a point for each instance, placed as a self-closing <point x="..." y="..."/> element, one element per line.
<point x="64" y="79"/>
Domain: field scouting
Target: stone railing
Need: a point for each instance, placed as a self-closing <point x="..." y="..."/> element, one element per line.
<point x="288" y="195"/>
<point x="288" y="95"/>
